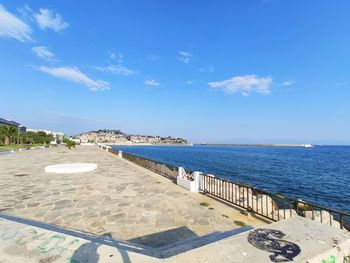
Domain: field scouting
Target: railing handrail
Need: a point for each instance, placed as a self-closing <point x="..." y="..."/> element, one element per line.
<point x="248" y="186"/>
<point x="249" y="200"/>
<point x="148" y="159"/>
<point x="276" y="198"/>
<point x="284" y="197"/>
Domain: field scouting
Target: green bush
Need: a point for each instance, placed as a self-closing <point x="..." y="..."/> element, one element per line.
<point x="70" y="144"/>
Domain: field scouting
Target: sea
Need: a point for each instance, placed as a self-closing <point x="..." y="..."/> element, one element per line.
<point x="320" y="175"/>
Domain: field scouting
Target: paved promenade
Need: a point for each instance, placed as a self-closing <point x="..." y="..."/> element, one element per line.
<point x="293" y="240"/>
<point x="124" y="213"/>
<point x="120" y="199"/>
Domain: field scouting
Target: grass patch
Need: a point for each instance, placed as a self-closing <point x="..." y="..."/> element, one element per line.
<point x="204" y="204"/>
<point x="211" y="208"/>
<point x="225" y="216"/>
<point x="280" y="196"/>
<point x="239" y="223"/>
<point x="17" y="146"/>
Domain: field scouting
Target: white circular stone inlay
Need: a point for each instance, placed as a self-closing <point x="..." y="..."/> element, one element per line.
<point x="69" y="168"/>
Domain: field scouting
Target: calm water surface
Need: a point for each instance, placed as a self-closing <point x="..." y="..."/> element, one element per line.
<point x="320" y="175"/>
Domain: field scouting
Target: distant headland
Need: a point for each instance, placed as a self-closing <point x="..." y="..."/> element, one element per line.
<point x="118" y="137"/>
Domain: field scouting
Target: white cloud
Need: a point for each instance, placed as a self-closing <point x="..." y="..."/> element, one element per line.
<point x="153" y="58"/>
<point x="26" y="13"/>
<point x="47" y="18"/>
<point x="44" y="53"/>
<point x="185" y="57"/>
<point x="341" y="83"/>
<point x="287" y="83"/>
<point x="244" y="85"/>
<point x="115" y="65"/>
<point x="151" y="82"/>
<point x="115" y="56"/>
<point x="117" y="70"/>
<point x="75" y="75"/>
<point x="209" y="69"/>
<point x="13" y="27"/>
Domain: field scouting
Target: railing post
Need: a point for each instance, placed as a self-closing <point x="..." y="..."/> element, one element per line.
<point x="120" y="154"/>
<point x="247" y="198"/>
<point x="197" y="176"/>
<point x="341" y="221"/>
<point x="181" y="171"/>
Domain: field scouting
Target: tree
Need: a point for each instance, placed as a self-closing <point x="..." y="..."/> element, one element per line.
<point x="8" y="133"/>
<point x="70" y="144"/>
<point x="28" y="137"/>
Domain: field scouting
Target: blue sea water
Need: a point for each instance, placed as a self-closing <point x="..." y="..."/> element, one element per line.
<point x="320" y="175"/>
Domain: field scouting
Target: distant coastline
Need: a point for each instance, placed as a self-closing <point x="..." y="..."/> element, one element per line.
<point x="213" y="144"/>
<point x="257" y="144"/>
<point x="150" y="144"/>
<point x="117" y="137"/>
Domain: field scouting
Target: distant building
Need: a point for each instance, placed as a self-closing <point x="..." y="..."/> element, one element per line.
<point x="55" y="135"/>
<point x="13" y="124"/>
<point x="22" y="128"/>
<point x="9" y="123"/>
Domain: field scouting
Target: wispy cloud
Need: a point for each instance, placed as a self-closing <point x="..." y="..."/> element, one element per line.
<point x="185" y="57"/>
<point x="13" y="27"/>
<point x="57" y="114"/>
<point x="152" y="82"/>
<point x="75" y="75"/>
<point x="287" y="83"/>
<point x="244" y="84"/>
<point x="153" y="58"/>
<point x="26" y="13"/>
<point x="341" y="83"/>
<point x="115" y="66"/>
<point x="47" y="18"/>
<point x="44" y="53"/>
<point x="116" y="69"/>
<point x="209" y="69"/>
<point x="115" y="56"/>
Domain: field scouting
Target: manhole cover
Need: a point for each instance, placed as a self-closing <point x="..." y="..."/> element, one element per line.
<point x="20" y="175"/>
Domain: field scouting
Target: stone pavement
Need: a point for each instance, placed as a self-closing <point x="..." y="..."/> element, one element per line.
<point x="31" y="244"/>
<point x="293" y="240"/>
<point x="119" y="199"/>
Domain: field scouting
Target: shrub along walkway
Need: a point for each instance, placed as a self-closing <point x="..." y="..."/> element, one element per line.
<point x="119" y="199"/>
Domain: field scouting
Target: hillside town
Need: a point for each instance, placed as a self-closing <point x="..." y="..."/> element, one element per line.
<point x="118" y="137"/>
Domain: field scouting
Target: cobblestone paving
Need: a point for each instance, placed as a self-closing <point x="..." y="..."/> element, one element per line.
<point x="119" y="198"/>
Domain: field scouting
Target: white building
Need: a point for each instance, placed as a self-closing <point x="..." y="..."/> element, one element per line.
<point x="55" y="135"/>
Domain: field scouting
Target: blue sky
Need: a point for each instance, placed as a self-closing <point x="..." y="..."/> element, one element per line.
<point x="213" y="71"/>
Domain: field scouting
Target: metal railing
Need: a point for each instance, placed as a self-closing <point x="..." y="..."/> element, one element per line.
<point x="271" y="206"/>
<point x="274" y="207"/>
<point x="114" y="151"/>
<point x="166" y="170"/>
